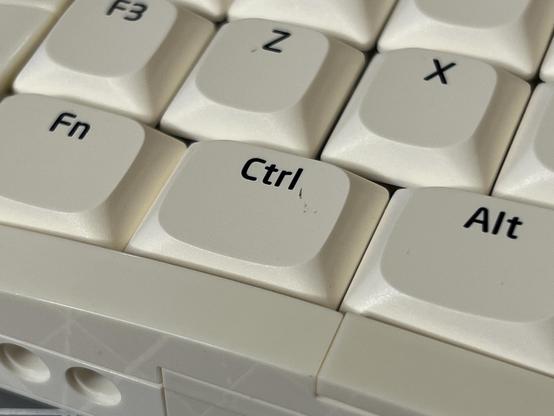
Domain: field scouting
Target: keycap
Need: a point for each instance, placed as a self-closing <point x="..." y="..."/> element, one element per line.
<point x="211" y="9"/>
<point x="425" y="118"/>
<point x="466" y="268"/>
<point x="22" y="25"/>
<point x="357" y="22"/>
<point x="137" y="316"/>
<point x="511" y="33"/>
<point x="528" y="172"/>
<point x="547" y="67"/>
<point x="125" y="56"/>
<point x="386" y="370"/>
<point x="79" y="172"/>
<point x="265" y="83"/>
<point x="278" y="221"/>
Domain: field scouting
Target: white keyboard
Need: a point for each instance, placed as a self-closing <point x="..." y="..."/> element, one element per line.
<point x="277" y="207"/>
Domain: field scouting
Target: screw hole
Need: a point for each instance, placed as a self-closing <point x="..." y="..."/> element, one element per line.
<point x="93" y="386"/>
<point x="23" y="363"/>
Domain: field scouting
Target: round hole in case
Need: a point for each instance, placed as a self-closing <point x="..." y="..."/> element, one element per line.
<point x="94" y="386"/>
<point x="23" y="363"/>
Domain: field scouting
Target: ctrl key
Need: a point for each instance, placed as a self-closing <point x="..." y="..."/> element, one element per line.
<point x="282" y="222"/>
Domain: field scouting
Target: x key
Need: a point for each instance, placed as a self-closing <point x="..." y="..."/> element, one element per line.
<point x="401" y="131"/>
<point x="440" y="70"/>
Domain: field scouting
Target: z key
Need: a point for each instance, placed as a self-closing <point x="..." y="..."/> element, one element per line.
<point x="266" y="83"/>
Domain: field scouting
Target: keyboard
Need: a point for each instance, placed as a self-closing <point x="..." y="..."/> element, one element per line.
<point x="277" y="207"/>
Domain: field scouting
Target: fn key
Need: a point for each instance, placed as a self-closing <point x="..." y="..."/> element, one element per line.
<point x="282" y="222"/>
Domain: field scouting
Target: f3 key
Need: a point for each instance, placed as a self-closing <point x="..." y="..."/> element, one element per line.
<point x="127" y="56"/>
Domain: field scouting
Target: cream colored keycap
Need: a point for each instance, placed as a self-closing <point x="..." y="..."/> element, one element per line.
<point x="424" y="118"/>
<point x="357" y="22"/>
<point x="511" y="33"/>
<point x="265" y="83"/>
<point x="22" y="25"/>
<point x="212" y="9"/>
<point x="470" y="269"/>
<point x="528" y="172"/>
<point x="391" y="371"/>
<point x="78" y="172"/>
<point x="274" y="220"/>
<point x="125" y="56"/>
<point x="547" y="67"/>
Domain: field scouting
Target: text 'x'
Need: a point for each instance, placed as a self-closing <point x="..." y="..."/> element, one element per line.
<point x="440" y="70"/>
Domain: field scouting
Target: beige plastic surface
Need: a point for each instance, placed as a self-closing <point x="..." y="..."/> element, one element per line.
<point x="224" y="348"/>
<point x="511" y="33"/>
<point x="79" y="172"/>
<point x="547" y="67"/>
<point x="267" y="83"/>
<point x="76" y="385"/>
<point x="299" y="230"/>
<point x="470" y="269"/>
<point x="413" y="125"/>
<point x="50" y="5"/>
<point x="528" y="172"/>
<point x="130" y="61"/>
<point x="192" y="398"/>
<point x="22" y="25"/>
<point x="177" y="405"/>
<point x="394" y="372"/>
<point x="357" y="22"/>
<point x="135" y="316"/>
<point x="212" y="9"/>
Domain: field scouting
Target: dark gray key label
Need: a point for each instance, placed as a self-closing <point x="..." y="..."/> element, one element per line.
<point x="440" y="71"/>
<point x="253" y="171"/>
<point x="70" y="120"/>
<point x="482" y="218"/>
<point x="270" y="46"/>
<point x="130" y="10"/>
